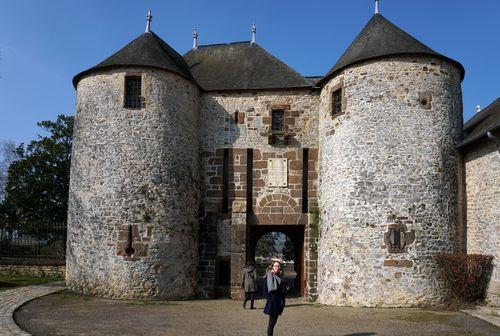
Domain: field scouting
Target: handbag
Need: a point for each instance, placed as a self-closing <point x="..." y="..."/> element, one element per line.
<point x="284" y="288"/>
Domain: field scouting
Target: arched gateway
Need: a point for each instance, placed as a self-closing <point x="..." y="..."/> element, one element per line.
<point x="271" y="189"/>
<point x="285" y="242"/>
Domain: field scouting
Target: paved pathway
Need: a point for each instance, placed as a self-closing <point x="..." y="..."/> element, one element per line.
<point x="65" y="313"/>
<point x="12" y="299"/>
<point x="49" y="316"/>
<point x="489" y="314"/>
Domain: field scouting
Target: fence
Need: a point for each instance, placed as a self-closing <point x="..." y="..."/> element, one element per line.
<point x="33" y="243"/>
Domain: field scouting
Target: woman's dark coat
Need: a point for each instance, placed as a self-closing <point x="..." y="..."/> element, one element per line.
<point x="275" y="300"/>
<point x="250" y="279"/>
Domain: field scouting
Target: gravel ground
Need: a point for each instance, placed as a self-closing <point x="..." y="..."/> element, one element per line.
<point x="65" y="313"/>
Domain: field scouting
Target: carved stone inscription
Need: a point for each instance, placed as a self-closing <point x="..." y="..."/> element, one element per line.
<point x="277" y="172"/>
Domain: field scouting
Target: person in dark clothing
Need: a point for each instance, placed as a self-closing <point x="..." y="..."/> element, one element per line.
<point x="275" y="297"/>
<point x="249" y="283"/>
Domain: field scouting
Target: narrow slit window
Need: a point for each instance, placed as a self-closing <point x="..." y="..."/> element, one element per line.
<point x="133" y="92"/>
<point x="305" y="180"/>
<point x="396" y="238"/>
<point x="337" y="101"/>
<point x="225" y="182"/>
<point x="278" y="121"/>
<point x="249" y="180"/>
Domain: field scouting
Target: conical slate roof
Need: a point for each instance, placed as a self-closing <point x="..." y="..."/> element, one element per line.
<point x="241" y="66"/>
<point x="381" y="38"/>
<point x="146" y="50"/>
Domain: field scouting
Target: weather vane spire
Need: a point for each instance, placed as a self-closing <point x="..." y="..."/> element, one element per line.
<point x="195" y="38"/>
<point x="254" y="32"/>
<point x="148" y="21"/>
<point x="376" y="7"/>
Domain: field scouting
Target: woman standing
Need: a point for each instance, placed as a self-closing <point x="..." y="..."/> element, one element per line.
<point x="275" y="297"/>
<point x="249" y="283"/>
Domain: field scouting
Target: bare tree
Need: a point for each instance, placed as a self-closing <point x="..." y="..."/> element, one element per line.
<point x="7" y="156"/>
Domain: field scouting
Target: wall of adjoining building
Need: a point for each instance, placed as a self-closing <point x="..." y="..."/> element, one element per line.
<point x="482" y="167"/>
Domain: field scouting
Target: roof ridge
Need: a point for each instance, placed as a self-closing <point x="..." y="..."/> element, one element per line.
<point x="222" y="44"/>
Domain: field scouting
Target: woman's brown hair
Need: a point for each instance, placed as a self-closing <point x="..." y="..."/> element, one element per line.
<point x="270" y="267"/>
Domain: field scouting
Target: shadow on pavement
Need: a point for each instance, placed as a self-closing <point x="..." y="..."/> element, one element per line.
<point x="296" y="305"/>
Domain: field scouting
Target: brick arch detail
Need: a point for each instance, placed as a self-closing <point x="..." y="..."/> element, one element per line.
<point x="278" y="203"/>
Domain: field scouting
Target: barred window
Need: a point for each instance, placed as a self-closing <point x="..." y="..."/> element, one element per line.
<point x="337" y="101"/>
<point x="278" y="120"/>
<point x="133" y="92"/>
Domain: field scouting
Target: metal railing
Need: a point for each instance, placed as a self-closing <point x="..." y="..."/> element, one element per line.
<point x="41" y="243"/>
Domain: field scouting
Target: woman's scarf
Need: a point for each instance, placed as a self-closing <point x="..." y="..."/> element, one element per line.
<point x="273" y="281"/>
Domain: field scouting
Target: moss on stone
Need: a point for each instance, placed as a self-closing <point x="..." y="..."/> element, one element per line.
<point x="424" y="316"/>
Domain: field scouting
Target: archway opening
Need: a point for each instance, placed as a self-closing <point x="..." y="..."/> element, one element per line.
<point x="276" y="245"/>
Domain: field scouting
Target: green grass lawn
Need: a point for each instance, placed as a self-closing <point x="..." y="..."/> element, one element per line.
<point x="12" y="281"/>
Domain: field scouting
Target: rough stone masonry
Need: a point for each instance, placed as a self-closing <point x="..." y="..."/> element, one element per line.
<point x="181" y="164"/>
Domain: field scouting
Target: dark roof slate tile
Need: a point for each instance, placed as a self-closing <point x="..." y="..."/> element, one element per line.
<point x="486" y="120"/>
<point x="149" y="50"/>
<point x="241" y="66"/>
<point x="381" y="38"/>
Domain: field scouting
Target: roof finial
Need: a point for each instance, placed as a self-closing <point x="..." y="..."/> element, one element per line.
<point x="148" y="22"/>
<point x="195" y="38"/>
<point x="478" y="108"/>
<point x="376" y="7"/>
<point x="254" y="31"/>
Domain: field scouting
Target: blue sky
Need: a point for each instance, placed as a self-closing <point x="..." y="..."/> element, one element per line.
<point x="44" y="43"/>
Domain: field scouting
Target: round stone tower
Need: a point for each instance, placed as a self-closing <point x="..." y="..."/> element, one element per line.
<point x="133" y="201"/>
<point x="390" y="119"/>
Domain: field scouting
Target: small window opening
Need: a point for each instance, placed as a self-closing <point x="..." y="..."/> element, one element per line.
<point x="396" y="243"/>
<point x="396" y="238"/>
<point x="337" y="101"/>
<point x="425" y="100"/>
<point x="129" y="251"/>
<point x="133" y="92"/>
<point x="278" y="121"/>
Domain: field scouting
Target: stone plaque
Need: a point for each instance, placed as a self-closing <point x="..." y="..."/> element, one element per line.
<point x="277" y="172"/>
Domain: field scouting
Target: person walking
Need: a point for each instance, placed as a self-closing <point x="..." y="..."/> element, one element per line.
<point x="249" y="283"/>
<point x="274" y="292"/>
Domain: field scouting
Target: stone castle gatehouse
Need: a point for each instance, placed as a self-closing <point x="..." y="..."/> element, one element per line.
<point x="181" y="163"/>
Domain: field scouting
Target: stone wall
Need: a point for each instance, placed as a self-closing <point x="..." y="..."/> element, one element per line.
<point x="238" y="121"/>
<point x="482" y="166"/>
<point x="34" y="270"/>
<point x="242" y="120"/>
<point x="388" y="165"/>
<point x="134" y="188"/>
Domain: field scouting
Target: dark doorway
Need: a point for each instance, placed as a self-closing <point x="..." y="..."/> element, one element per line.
<point x="223" y="277"/>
